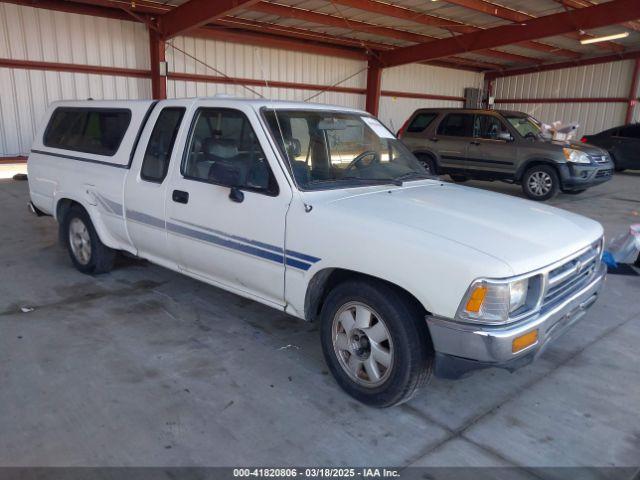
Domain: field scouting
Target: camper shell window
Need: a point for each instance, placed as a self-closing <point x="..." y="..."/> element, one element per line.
<point x="90" y="130"/>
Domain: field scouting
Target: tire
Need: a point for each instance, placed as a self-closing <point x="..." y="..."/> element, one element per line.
<point x="574" y="192"/>
<point x="403" y="341"/>
<point x="458" y="178"/>
<point x="428" y="163"/>
<point x="88" y="254"/>
<point x="540" y="182"/>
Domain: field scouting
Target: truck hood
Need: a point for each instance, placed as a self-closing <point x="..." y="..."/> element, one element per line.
<point x="524" y="234"/>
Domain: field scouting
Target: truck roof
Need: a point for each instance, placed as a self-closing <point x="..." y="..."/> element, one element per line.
<point x="256" y="103"/>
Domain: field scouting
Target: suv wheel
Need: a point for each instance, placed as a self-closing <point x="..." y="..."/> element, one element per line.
<point x="540" y="182"/>
<point x="375" y="342"/>
<point x="428" y="163"/>
<point x="87" y="252"/>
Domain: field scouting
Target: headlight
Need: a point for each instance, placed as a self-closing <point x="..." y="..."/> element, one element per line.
<point x="489" y="301"/>
<point x="575" y="156"/>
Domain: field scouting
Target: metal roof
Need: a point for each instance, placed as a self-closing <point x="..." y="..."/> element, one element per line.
<point x="423" y="21"/>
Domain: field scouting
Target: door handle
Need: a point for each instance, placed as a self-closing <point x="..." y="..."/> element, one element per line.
<point x="179" y="196"/>
<point x="474" y="143"/>
<point x="433" y="139"/>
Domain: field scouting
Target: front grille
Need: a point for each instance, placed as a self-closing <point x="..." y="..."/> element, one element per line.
<point x="571" y="276"/>
<point x="599" y="158"/>
<point x="604" y="173"/>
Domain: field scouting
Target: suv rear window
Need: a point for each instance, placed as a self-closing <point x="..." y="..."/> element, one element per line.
<point x="457" y="125"/>
<point x="421" y="121"/>
<point x="630" y="131"/>
<point x="89" y="130"/>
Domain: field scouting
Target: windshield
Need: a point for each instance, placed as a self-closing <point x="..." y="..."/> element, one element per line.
<point x="336" y="149"/>
<point x="525" y="125"/>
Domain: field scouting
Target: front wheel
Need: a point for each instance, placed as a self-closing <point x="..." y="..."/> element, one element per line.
<point x="540" y="182"/>
<point x="87" y="252"/>
<point x="375" y="342"/>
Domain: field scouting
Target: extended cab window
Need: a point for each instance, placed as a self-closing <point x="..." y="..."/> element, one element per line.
<point x="456" y="125"/>
<point x="223" y="149"/>
<point x="158" y="154"/>
<point x="90" y="130"/>
<point x="421" y="121"/>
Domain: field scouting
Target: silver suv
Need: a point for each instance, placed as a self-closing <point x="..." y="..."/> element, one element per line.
<point x="503" y="145"/>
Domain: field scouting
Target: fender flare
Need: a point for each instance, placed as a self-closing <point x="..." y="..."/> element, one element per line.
<point x="92" y="210"/>
<point x="537" y="161"/>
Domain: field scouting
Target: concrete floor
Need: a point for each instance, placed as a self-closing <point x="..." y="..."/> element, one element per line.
<point x="147" y="367"/>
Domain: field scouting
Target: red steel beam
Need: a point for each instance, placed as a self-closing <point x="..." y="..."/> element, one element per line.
<point x="156" y="56"/>
<point x="588" y="3"/>
<point x="195" y="77"/>
<point x="563" y="100"/>
<point x="286" y="11"/>
<point x="374" y="87"/>
<point x="389" y="10"/>
<point x="516" y="16"/>
<point x="74" y="68"/>
<point x="561" y="65"/>
<point x="196" y="13"/>
<point x="275" y="41"/>
<point x="615" y="11"/>
<point x="633" y="91"/>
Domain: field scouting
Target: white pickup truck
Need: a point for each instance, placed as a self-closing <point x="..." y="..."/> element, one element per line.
<point x="321" y="212"/>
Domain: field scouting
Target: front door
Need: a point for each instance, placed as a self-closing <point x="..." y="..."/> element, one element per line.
<point x="490" y="150"/>
<point x="227" y="205"/>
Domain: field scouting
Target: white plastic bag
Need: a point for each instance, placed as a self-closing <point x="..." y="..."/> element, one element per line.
<point x="625" y="247"/>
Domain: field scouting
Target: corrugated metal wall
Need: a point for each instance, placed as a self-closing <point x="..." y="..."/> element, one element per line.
<point x="246" y="61"/>
<point x="606" y="80"/>
<point x="422" y="79"/>
<point x="44" y="35"/>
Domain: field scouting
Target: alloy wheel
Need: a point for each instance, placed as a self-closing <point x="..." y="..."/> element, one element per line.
<point x="362" y="344"/>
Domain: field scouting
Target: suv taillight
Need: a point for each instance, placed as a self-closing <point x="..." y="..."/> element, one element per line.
<point x="583" y="139"/>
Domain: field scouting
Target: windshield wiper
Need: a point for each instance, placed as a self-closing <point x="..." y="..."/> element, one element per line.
<point x="399" y="180"/>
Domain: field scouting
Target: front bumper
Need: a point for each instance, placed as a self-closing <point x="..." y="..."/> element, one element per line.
<point x="578" y="177"/>
<point x="463" y="347"/>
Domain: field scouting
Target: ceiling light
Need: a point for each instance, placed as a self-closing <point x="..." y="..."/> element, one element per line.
<point x="615" y="36"/>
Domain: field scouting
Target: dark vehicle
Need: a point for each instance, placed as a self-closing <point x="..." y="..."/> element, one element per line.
<point x="503" y="145"/>
<point x="622" y="143"/>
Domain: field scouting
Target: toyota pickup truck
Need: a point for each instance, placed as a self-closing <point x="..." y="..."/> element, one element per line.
<point x="321" y="212"/>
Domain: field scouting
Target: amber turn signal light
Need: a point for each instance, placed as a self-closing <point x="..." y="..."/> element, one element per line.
<point x="524" y="341"/>
<point x="475" y="300"/>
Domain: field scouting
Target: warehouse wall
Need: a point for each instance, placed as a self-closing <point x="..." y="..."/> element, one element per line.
<point x="43" y="35"/>
<point x="35" y="34"/>
<point x="422" y="79"/>
<point x="258" y="63"/>
<point x="606" y="80"/>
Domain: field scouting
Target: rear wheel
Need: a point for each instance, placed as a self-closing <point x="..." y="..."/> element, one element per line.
<point x="540" y="182"/>
<point x="87" y="252"/>
<point x="428" y="163"/>
<point x="375" y="342"/>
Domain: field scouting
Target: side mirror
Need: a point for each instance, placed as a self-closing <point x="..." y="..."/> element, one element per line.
<point x="236" y="195"/>
<point x="506" y="136"/>
<point x="293" y="146"/>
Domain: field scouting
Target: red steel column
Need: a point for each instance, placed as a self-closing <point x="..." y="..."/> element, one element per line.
<point x="633" y="92"/>
<point x="374" y="86"/>
<point x="156" y="54"/>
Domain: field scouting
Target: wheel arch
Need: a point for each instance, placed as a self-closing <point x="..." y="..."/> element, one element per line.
<point x="532" y="162"/>
<point x="65" y="203"/>
<point x="326" y="279"/>
<point x="429" y="154"/>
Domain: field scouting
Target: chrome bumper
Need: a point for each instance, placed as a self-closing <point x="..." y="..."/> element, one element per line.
<point x="463" y="347"/>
